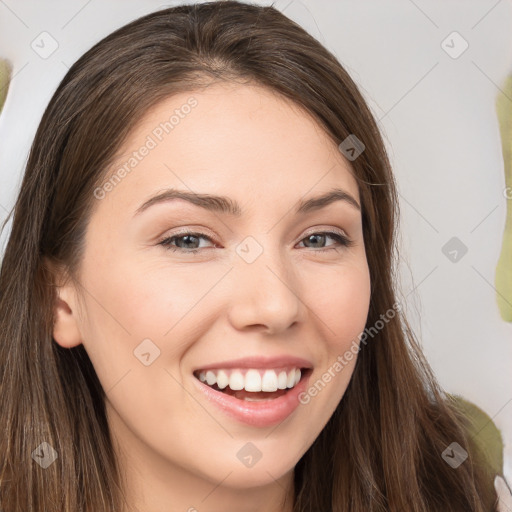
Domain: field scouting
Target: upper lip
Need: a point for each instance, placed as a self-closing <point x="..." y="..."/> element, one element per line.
<point x="258" y="362"/>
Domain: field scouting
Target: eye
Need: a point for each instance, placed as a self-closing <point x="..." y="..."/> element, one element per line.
<point x="187" y="242"/>
<point x="184" y="239"/>
<point x="321" y="236"/>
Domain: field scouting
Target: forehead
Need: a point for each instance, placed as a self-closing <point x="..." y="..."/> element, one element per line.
<point x="244" y="137"/>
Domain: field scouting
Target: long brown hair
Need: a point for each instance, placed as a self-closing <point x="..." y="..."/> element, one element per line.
<point x="381" y="449"/>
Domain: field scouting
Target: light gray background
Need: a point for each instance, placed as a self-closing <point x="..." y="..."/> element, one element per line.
<point x="436" y="112"/>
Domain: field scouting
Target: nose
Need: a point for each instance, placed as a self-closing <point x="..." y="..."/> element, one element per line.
<point x="264" y="295"/>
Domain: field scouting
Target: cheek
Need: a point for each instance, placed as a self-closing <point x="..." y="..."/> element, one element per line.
<point x="341" y="300"/>
<point x="150" y="300"/>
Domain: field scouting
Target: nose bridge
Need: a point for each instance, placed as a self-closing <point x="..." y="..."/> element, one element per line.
<point x="265" y="286"/>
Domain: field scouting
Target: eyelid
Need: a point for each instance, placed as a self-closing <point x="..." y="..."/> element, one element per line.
<point x="188" y="230"/>
<point x="319" y="229"/>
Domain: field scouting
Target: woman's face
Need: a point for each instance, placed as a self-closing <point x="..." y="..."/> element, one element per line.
<point x="259" y="288"/>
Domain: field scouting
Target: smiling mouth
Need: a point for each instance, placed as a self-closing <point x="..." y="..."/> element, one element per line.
<point x="253" y="384"/>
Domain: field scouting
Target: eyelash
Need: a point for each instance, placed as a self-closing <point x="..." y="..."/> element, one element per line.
<point x="166" y="242"/>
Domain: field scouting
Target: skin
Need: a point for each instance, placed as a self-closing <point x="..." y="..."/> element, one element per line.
<point x="176" y="449"/>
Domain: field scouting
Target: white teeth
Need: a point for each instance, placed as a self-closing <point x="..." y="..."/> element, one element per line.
<point x="291" y="379"/>
<point x="269" y="381"/>
<point x="252" y="379"/>
<point x="222" y="379"/>
<point x="211" y="378"/>
<point x="236" y="381"/>
<point x="281" y="380"/>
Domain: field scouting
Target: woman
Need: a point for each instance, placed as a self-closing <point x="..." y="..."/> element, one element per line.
<point x="256" y="370"/>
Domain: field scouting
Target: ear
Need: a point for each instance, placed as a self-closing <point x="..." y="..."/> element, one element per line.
<point x="66" y="331"/>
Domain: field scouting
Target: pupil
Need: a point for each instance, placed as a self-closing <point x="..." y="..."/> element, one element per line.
<point x="315" y="236"/>
<point x="187" y="238"/>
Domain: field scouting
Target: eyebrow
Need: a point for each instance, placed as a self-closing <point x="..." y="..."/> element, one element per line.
<point x="226" y="205"/>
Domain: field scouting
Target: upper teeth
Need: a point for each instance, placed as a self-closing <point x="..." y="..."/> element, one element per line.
<point x="253" y="380"/>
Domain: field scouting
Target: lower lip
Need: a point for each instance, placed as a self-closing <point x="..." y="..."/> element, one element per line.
<point x="263" y="413"/>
